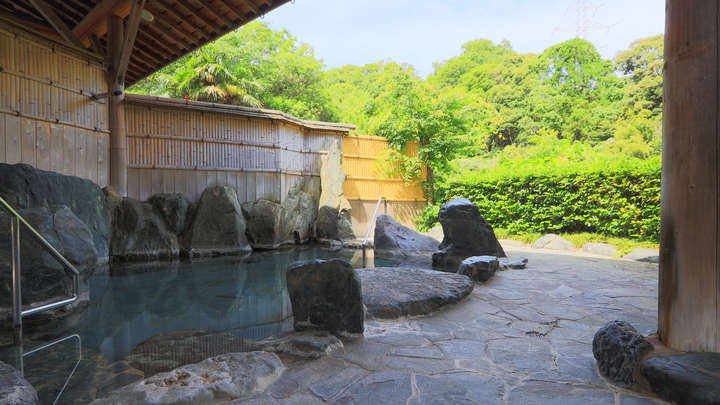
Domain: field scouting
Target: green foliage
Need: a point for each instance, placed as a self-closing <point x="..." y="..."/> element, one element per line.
<point x="623" y="200"/>
<point x="253" y="66"/>
<point x="446" y="123"/>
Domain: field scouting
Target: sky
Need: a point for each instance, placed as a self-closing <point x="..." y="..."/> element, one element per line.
<point x="421" y="32"/>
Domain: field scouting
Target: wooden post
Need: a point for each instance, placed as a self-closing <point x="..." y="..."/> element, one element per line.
<point x="689" y="285"/>
<point x="116" y="116"/>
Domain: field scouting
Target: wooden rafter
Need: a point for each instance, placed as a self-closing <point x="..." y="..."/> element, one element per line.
<point x="253" y="7"/>
<point x="197" y="14"/>
<point x="157" y="52"/>
<point x="235" y="10"/>
<point x="52" y="18"/>
<point x="167" y="32"/>
<point x="182" y="18"/>
<point x="97" y="46"/>
<point x="98" y="13"/>
<point x="215" y="12"/>
<point x="131" y="30"/>
<point x="158" y="42"/>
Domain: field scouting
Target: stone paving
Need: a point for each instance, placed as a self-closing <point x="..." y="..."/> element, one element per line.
<point x="523" y="338"/>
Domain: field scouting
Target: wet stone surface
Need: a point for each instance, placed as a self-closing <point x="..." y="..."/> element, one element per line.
<point x="390" y="293"/>
<point x="525" y="337"/>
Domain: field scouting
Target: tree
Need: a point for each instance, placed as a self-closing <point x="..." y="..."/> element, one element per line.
<point x="477" y="52"/>
<point x="445" y="123"/>
<point x="644" y="64"/>
<point x="254" y="65"/>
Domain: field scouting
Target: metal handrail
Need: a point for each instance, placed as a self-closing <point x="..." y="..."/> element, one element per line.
<point x="21" y="361"/>
<point x="377" y="207"/>
<point x="15" y="222"/>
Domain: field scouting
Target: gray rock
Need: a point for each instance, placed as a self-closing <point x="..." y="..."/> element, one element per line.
<point x="515" y="264"/>
<point x="272" y="225"/>
<point x="112" y="198"/>
<point x="618" y="347"/>
<point x="217" y="226"/>
<point x="603" y="249"/>
<point x="174" y="208"/>
<point x="246" y="210"/>
<point x="212" y="381"/>
<point x="436" y="233"/>
<point x="553" y="242"/>
<point x="690" y="379"/>
<point x="466" y="234"/>
<point x="15" y="390"/>
<point x="43" y="277"/>
<point x="644" y="255"/>
<point x="390" y="235"/>
<point x="308" y="344"/>
<point x="511" y="243"/>
<point x="170" y="350"/>
<point x="23" y="186"/>
<point x="333" y="221"/>
<point x="139" y="233"/>
<point x="479" y="268"/>
<point x="326" y="295"/>
<point x="391" y="293"/>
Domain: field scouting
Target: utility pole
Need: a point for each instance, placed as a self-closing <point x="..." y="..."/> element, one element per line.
<point x="584" y="11"/>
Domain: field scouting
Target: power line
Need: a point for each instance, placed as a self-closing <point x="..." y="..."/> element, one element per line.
<point x="584" y="11"/>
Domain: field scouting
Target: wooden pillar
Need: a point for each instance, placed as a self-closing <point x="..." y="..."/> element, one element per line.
<point x="689" y="288"/>
<point x="116" y="115"/>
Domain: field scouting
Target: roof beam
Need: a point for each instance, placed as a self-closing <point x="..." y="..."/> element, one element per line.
<point x="182" y="18"/>
<point x="97" y="46"/>
<point x="131" y="30"/>
<point x="98" y="13"/>
<point x="215" y="12"/>
<point x="168" y="32"/>
<point x="194" y="12"/>
<point x="57" y="23"/>
<point x="253" y="7"/>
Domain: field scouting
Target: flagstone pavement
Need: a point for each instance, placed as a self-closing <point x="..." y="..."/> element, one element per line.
<point x="525" y="337"/>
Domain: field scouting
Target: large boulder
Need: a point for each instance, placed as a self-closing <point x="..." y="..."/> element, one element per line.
<point x="43" y="277"/>
<point x="391" y="235"/>
<point x="140" y="233"/>
<point x="272" y="225"/>
<point x="15" y="390"/>
<point x="618" y="347"/>
<point x="333" y="221"/>
<point x="553" y="242"/>
<point x="23" y="186"/>
<point x="217" y="226"/>
<point x="170" y="350"/>
<point x="174" y="208"/>
<point x="467" y="234"/>
<point x="326" y="295"/>
<point x="217" y="380"/>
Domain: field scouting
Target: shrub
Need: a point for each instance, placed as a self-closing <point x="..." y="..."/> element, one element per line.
<point x="623" y="201"/>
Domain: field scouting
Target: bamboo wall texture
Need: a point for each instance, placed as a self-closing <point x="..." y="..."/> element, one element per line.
<point x="184" y="149"/>
<point x="47" y="119"/>
<point x="364" y="185"/>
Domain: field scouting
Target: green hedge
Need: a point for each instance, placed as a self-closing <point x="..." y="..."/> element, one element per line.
<point x="623" y="202"/>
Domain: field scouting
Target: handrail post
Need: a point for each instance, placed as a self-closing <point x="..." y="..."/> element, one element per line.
<point x="17" y="294"/>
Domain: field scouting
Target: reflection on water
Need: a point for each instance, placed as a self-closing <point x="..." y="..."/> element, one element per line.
<point x="130" y="303"/>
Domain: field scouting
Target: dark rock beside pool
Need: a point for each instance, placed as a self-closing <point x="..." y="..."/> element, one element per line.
<point x="326" y="295"/>
<point x="618" y="347"/>
<point x="14" y="389"/>
<point x="390" y="293"/>
<point x="24" y="186"/>
<point x="271" y="224"/>
<point x="170" y="350"/>
<point x="174" y="208"/>
<point x="686" y="379"/>
<point x="43" y="277"/>
<point x="140" y="233"/>
<point x="217" y="226"/>
<point x="467" y="234"/>
<point x="479" y="268"/>
<point x="391" y="235"/>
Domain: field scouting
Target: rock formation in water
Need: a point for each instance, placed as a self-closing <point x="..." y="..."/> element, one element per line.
<point x="24" y="186"/>
<point x="326" y="295"/>
<point x="333" y="222"/>
<point x="390" y="235"/>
